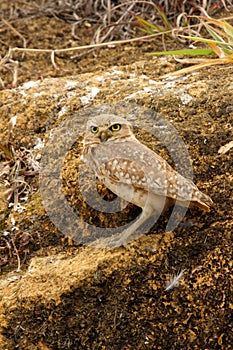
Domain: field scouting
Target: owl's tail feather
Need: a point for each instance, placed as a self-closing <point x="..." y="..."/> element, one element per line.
<point x="201" y="201"/>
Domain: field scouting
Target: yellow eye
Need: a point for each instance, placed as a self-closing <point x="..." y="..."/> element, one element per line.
<point x="94" y="129"/>
<point x="115" y="127"/>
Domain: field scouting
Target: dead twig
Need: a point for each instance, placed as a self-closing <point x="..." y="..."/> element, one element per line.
<point x="15" y="31"/>
<point x="18" y="165"/>
<point x="8" y="63"/>
<point x="17" y="255"/>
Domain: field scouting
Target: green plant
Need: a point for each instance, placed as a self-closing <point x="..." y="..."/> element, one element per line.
<point x="220" y="45"/>
<point x="151" y="28"/>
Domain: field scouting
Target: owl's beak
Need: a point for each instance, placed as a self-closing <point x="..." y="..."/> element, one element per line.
<point x="104" y="136"/>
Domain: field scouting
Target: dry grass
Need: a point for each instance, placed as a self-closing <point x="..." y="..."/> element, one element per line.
<point x="15" y="167"/>
<point x="112" y="22"/>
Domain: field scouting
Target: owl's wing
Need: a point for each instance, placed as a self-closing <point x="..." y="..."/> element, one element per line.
<point x="137" y="165"/>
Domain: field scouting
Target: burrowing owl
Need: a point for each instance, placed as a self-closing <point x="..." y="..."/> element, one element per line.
<point x="135" y="173"/>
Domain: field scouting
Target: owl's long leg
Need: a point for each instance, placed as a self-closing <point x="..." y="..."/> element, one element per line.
<point x="123" y="238"/>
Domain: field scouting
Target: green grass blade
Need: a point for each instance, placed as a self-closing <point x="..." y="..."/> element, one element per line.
<point x="214" y="34"/>
<point x="148" y="26"/>
<point x="189" y="52"/>
<point x="229" y="31"/>
<point x="163" y="16"/>
<point x="227" y="49"/>
<point x="204" y="40"/>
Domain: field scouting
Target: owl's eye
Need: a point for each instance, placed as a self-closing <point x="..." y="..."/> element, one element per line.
<point x="94" y="129"/>
<point x="115" y="127"/>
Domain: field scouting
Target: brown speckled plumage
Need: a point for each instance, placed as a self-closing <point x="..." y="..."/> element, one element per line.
<point x="134" y="172"/>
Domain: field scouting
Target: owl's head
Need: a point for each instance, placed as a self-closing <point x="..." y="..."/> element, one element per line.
<point x="107" y="127"/>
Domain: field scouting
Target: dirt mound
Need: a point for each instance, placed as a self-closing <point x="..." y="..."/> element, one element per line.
<point x="70" y="296"/>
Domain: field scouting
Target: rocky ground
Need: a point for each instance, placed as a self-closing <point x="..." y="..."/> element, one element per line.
<point x="56" y="292"/>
